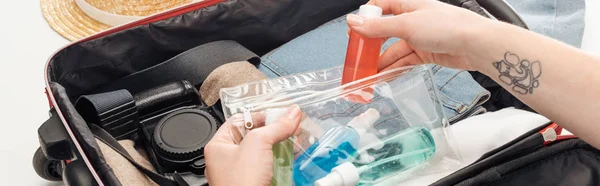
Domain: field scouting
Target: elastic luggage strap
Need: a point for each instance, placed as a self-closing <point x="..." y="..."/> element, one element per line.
<point x="114" y="111"/>
<point x="193" y="65"/>
<point x="111" y="142"/>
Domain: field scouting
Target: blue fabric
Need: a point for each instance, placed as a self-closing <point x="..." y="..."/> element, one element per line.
<point x="325" y="47"/>
<point x="563" y="20"/>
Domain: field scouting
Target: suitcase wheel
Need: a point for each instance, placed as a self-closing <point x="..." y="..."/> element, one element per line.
<point x="45" y="168"/>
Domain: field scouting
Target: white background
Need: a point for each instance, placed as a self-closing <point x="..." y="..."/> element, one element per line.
<point x="26" y="42"/>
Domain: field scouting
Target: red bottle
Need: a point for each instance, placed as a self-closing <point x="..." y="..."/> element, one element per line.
<point x="362" y="56"/>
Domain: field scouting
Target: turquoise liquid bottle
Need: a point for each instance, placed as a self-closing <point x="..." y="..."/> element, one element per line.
<point x="401" y="152"/>
<point x="335" y="147"/>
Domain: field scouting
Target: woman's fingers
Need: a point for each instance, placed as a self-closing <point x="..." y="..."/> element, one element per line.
<point x="395" y="7"/>
<point x="411" y="59"/>
<point x="394" y="53"/>
<point x="282" y="129"/>
<point x="401" y="26"/>
<point x="385" y="5"/>
<point x="232" y="130"/>
<point x="398" y="6"/>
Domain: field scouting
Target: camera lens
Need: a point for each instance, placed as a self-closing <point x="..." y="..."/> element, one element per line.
<point x="182" y="135"/>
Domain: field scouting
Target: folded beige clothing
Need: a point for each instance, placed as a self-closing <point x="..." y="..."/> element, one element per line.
<point x="123" y="169"/>
<point x="228" y="75"/>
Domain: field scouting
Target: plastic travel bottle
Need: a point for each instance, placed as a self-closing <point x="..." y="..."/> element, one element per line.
<point x="401" y="152"/>
<point x="335" y="147"/>
<point x="283" y="156"/>
<point x="283" y="153"/>
<point x="362" y="55"/>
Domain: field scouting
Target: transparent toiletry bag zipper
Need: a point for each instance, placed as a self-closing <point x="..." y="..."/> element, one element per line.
<point x="390" y="125"/>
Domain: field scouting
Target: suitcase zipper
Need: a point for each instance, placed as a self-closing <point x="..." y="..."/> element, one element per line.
<point x="304" y="98"/>
<point x="248" y="123"/>
<point x="155" y="18"/>
<point x="553" y="133"/>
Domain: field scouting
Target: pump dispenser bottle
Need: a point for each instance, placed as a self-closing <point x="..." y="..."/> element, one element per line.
<point x="401" y="152"/>
<point x="362" y="56"/>
<point x="335" y="147"/>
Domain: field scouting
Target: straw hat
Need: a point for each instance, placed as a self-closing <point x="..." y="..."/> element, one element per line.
<point x="75" y="19"/>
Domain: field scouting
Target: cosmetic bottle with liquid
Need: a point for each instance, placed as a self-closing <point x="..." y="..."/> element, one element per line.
<point x="401" y="152"/>
<point x="282" y="153"/>
<point x="335" y="147"/>
<point x="362" y="55"/>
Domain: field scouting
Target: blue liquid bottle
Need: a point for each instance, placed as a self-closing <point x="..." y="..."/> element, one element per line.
<point x="401" y="152"/>
<point x="335" y="147"/>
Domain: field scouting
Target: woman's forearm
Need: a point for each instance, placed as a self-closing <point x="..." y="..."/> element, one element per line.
<point x="557" y="80"/>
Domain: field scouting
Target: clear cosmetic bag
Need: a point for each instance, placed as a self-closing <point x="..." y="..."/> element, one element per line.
<point x="389" y="125"/>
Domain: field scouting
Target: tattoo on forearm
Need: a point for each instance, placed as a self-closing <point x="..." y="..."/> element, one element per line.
<point x="521" y="74"/>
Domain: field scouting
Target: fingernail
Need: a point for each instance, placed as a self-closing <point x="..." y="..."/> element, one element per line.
<point x="355" y="20"/>
<point x="293" y="112"/>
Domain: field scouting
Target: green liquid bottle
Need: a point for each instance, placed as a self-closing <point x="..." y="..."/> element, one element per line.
<point x="282" y="163"/>
<point x="283" y="153"/>
<point x="400" y="152"/>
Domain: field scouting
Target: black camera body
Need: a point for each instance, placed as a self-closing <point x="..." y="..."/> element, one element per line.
<point x="175" y="139"/>
<point x="175" y="125"/>
<point x="170" y="121"/>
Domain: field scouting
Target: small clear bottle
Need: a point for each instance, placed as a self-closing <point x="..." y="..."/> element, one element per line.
<point x="362" y="57"/>
<point x="283" y="156"/>
<point x="335" y="147"/>
<point x="401" y="152"/>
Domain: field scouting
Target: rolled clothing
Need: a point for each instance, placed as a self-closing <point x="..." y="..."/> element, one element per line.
<point x="127" y="173"/>
<point x="228" y="75"/>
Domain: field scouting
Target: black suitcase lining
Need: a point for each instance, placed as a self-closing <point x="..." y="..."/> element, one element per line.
<point x="260" y="26"/>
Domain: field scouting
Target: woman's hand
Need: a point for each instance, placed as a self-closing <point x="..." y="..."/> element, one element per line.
<point x="548" y="75"/>
<point x="431" y="32"/>
<point x="250" y="162"/>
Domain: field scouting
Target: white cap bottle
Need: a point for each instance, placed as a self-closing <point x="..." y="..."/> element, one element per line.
<point x="370" y="11"/>
<point x="362" y="123"/>
<point x="345" y="174"/>
<point x="362" y="53"/>
<point x="365" y="120"/>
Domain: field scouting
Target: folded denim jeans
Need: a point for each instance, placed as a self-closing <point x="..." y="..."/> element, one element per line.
<point x="563" y="20"/>
<point x="325" y="47"/>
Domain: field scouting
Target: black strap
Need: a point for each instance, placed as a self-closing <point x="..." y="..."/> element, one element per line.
<point x="471" y="5"/>
<point x="110" y="141"/>
<point x="114" y="111"/>
<point x="193" y="65"/>
<point x="501" y="10"/>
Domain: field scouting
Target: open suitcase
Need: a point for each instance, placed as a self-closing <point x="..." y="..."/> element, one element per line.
<point x="69" y="150"/>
